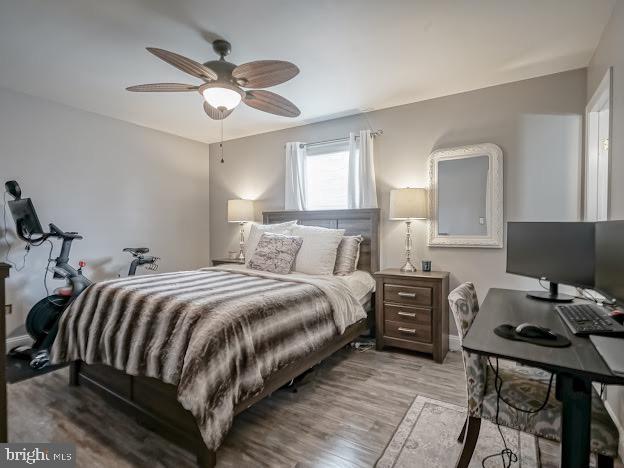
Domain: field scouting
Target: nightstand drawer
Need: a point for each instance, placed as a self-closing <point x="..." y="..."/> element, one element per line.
<point x="412" y="295"/>
<point x="397" y="313"/>
<point x="408" y="331"/>
<point x="226" y="261"/>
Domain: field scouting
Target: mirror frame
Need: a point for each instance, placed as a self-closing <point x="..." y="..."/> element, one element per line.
<point x="494" y="197"/>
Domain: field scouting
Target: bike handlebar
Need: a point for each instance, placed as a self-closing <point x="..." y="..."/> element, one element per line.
<point x="57" y="232"/>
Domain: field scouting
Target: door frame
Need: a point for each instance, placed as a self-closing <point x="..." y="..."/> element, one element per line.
<point x="601" y="97"/>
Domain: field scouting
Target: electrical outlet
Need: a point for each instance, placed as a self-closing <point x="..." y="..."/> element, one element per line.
<point x="8" y="309"/>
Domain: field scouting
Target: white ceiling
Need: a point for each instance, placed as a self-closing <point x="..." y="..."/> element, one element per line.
<point x="354" y="55"/>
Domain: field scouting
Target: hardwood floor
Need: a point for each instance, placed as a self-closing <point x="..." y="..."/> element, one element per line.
<point x="342" y="415"/>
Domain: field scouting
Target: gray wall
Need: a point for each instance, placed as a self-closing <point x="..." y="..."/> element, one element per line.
<point x="116" y="183"/>
<point x="610" y="52"/>
<point x="536" y="122"/>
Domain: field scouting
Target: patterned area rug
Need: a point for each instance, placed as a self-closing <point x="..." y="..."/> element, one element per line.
<point x="427" y="436"/>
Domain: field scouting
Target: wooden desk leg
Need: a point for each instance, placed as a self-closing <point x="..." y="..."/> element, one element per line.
<point x="575" y="396"/>
<point x="4" y="431"/>
<point x="206" y="458"/>
<point x="74" y="373"/>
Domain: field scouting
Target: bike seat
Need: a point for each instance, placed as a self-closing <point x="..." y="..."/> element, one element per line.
<point x="136" y="250"/>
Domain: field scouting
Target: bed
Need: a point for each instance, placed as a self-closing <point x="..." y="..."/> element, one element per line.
<point x="156" y="405"/>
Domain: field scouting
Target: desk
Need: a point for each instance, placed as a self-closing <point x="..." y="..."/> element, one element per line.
<point x="575" y="366"/>
<point x="4" y="273"/>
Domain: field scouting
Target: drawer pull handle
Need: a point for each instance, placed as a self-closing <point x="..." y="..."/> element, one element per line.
<point x="406" y="294"/>
<point x="411" y="331"/>
<point x="407" y="314"/>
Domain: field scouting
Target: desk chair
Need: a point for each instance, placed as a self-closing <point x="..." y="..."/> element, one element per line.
<point x="523" y="387"/>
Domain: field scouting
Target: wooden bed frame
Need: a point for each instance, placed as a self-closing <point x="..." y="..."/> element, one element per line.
<point x="154" y="403"/>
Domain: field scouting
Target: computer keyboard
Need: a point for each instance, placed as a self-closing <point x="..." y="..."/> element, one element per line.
<point x="588" y="319"/>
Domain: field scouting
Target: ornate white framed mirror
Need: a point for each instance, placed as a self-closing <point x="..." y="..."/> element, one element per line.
<point x="466" y="197"/>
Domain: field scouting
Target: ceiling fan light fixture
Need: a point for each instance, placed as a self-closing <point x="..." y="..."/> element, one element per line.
<point x="222" y="95"/>
<point x="223" y="82"/>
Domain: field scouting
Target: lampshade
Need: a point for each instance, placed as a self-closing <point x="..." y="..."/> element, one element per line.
<point x="240" y="211"/>
<point x="221" y="95"/>
<point x="408" y="203"/>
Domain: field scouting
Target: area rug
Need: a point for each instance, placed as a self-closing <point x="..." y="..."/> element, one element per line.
<point x="427" y="437"/>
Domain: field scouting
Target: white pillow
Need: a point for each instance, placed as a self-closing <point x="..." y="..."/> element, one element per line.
<point x="317" y="255"/>
<point x="256" y="232"/>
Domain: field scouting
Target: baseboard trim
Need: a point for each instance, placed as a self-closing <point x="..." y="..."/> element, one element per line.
<point x="21" y="340"/>
<point x="615" y="420"/>
<point x="454" y="343"/>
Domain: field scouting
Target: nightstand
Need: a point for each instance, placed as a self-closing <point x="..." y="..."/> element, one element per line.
<point x="412" y="311"/>
<point x="225" y="261"/>
<point x="4" y="274"/>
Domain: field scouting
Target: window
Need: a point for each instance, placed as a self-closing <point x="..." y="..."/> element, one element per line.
<point x="332" y="175"/>
<point x="327" y="176"/>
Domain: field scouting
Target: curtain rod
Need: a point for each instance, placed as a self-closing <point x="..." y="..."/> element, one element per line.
<point x="337" y="140"/>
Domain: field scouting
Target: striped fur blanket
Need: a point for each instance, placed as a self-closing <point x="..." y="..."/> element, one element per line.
<point x="215" y="333"/>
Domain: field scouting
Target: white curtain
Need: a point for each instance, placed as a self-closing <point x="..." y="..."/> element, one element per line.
<point x="294" y="195"/>
<point x="362" y="186"/>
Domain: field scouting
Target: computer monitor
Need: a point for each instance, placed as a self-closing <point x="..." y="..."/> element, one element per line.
<point x="556" y="252"/>
<point x="610" y="260"/>
<point x="24" y="214"/>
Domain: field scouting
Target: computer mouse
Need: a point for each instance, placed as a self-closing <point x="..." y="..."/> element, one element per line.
<point x="528" y="330"/>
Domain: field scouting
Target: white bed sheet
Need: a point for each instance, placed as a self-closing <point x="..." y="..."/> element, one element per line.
<point x="360" y="283"/>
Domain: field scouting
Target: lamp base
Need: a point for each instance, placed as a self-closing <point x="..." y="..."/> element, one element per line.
<point x="241" y="253"/>
<point x="408" y="267"/>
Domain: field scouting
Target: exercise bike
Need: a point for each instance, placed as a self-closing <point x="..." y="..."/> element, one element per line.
<point x="141" y="259"/>
<point x="43" y="319"/>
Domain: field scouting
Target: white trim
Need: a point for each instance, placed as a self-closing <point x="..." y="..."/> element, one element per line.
<point x="454" y="343"/>
<point x="602" y="91"/>
<point x="602" y="96"/>
<point x="617" y="423"/>
<point x="494" y="197"/>
<point x="614" y="418"/>
<point x="21" y="340"/>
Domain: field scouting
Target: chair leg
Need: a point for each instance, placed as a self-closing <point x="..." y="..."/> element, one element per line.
<point x="460" y="439"/>
<point x="470" y="442"/>
<point x="206" y="458"/>
<point x="604" y="461"/>
<point x="74" y="373"/>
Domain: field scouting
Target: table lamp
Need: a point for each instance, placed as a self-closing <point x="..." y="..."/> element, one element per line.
<point x="240" y="211"/>
<point x="407" y="204"/>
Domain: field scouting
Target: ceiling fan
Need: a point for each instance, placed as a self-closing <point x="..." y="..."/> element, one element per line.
<point x="224" y="82"/>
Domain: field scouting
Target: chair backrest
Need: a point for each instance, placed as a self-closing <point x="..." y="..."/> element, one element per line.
<point x="464" y="306"/>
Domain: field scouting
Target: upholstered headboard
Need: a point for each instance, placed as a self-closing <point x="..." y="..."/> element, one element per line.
<point x="363" y="222"/>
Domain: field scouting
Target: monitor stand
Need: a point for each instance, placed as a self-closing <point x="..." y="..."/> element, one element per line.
<point x="552" y="295"/>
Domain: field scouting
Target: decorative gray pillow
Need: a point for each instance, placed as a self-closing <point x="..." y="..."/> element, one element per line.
<point x="275" y="253"/>
<point x="348" y="255"/>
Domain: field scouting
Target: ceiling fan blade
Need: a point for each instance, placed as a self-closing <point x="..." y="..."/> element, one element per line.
<point x="264" y="73"/>
<point x="216" y="114"/>
<point x="185" y="64"/>
<point x="162" y="88"/>
<point x="270" y="102"/>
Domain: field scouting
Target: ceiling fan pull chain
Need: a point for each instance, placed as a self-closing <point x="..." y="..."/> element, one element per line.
<point x="221" y="144"/>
